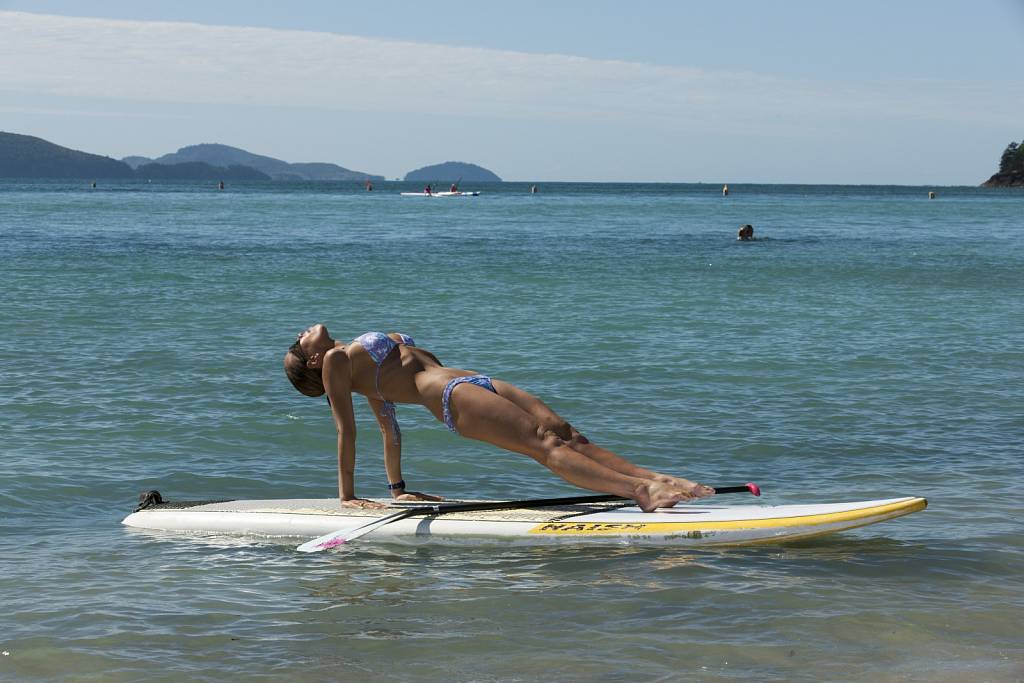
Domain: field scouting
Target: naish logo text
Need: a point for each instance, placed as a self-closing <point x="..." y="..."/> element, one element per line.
<point x="589" y="528"/>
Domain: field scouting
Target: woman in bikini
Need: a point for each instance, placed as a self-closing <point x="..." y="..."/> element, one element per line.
<point x="389" y="369"/>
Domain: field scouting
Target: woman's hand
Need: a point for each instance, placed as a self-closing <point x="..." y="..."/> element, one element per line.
<point x="362" y="503"/>
<point x="415" y="495"/>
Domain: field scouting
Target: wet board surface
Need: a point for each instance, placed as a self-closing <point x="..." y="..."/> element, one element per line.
<point x="699" y="524"/>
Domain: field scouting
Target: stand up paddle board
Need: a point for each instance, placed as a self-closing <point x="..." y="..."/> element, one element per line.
<point x="699" y="524"/>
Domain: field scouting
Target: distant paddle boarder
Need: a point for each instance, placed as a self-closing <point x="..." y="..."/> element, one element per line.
<point x="389" y="369"/>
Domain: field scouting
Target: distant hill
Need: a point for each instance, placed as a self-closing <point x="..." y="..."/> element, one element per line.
<point x="451" y="171"/>
<point x="322" y="171"/>
<point x="225" y="156"/>
<point x="24" y="156"/>
<point x="1011" y="168"/>
<point x="135" y="162"/>
<point x="197" y="170"/>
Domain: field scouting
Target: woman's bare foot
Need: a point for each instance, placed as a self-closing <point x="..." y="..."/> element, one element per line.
<point x="651" y="495"/>
<point x="693" y="488"/>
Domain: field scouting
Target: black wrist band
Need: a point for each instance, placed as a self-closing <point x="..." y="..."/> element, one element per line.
<point x="397" y="485"/>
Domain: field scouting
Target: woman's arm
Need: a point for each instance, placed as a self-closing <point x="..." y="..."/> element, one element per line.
<point x="392" y="438"/>
<point x="337" y="378"/>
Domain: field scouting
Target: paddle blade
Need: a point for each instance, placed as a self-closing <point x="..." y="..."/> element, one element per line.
<point x="326" y="542"/>
<point x="343" y="536"/>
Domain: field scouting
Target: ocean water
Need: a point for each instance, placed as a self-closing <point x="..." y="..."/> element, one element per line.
<point x="869" y="344"/>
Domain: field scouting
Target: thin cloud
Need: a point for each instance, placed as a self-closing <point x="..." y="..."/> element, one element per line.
<point x="178" y="62"/>
<point x="192" y="63"/>
<point x="105" y="113"/>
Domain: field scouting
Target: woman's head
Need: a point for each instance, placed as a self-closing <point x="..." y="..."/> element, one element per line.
<point x="304" y="360"/>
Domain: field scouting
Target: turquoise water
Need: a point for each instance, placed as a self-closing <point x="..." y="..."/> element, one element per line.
<point x="868" y="345"/>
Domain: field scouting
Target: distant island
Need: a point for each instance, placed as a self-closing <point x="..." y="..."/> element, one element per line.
<point x="452" y="171"/>
<point x="135" y="162"/>
<point x="197" y="170"/>
<point x="1011" y="168"/>
<point x="25" y="156"/>
<point x="275" y="169"/>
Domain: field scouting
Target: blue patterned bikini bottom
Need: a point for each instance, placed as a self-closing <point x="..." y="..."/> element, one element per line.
<point x="446" y="398"/>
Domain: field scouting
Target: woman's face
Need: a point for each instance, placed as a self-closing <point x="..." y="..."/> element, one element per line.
<point x="314" y="340"/>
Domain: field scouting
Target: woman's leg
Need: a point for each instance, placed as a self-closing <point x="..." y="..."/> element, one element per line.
<point x="485" y="416"/>
<point x="550" y="420"/>
<point x="617" y="462"/>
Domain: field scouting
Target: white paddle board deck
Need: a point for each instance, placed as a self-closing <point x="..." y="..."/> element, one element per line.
<point x="700" y="524"/>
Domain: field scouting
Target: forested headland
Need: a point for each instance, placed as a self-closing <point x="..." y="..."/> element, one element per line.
<point x="1011" y="168"/>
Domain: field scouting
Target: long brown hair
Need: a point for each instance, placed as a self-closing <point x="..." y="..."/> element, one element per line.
<point x="308" y="381"/>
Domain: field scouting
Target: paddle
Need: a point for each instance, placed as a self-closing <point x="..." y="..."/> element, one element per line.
<point x="342" y="536"/>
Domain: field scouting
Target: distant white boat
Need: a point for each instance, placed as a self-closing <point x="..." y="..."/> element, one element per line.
<point x="440" y="194"/>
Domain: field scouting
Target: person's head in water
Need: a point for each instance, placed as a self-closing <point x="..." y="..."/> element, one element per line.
<point x="746" y="232"/>
<point x="303" y="362"/>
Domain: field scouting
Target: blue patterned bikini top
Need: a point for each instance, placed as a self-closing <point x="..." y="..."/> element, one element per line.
<point x="379" y="346"/>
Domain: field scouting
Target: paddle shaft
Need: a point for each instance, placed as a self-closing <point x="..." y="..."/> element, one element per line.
<point x="338" y="538"/>
<point x="442" y="508"/>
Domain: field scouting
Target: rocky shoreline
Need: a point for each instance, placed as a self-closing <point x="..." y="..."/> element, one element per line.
<point x="1011" y="168"/>
<point x="1013" y="179"/>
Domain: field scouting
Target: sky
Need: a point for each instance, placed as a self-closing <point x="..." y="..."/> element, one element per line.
<point x="916" y="92"/>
